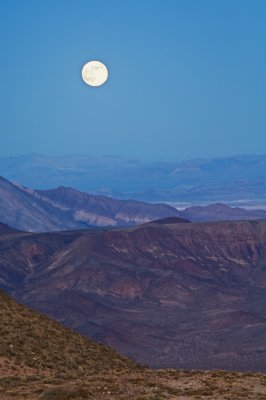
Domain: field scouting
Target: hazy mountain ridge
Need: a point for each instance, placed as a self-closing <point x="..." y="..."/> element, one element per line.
<point x="221" y="212"/>
<point x="210" y="179"/>
<point x="171" y="295"/>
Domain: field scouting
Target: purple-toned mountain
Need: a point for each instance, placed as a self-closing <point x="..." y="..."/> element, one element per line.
<point x="105" y="211"/>
<point x="66" y="208"/>
<point x="188" y="295"/>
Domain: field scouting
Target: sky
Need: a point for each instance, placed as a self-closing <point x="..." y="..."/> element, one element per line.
<point x="186" y="78"/>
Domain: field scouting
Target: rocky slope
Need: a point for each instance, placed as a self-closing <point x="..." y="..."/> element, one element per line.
<point x="168" y="294"/>
<point x="21" y="210"/>
<point x="42" y="360"/>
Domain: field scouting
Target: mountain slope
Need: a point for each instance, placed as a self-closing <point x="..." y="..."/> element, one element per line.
<point x="40" y="359"/>
<point x="21" y="210"/>
<point x="171" y="295"/>
<point x="39" y="343"/>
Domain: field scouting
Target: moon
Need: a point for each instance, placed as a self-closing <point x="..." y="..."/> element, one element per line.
<point x="94" y="73"/>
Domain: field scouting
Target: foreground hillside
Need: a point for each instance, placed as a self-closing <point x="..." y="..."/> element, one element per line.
<point x="168" y="294"/>
<point x="40" y="359"/>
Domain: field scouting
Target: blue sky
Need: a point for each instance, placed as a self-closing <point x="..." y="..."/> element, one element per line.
<point x="187" y="77"/>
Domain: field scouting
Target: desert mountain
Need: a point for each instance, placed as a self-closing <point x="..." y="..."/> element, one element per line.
<point x="66" y="208"/>
<point x="188" y="295"/>
<point x="104" y="211"/>
<point x="42" y="360"/>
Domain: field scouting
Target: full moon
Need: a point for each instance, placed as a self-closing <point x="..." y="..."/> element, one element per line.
<point x="94" y="73"/>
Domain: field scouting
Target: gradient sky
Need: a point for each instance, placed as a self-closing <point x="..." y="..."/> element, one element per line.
<point x="187" y="77"/>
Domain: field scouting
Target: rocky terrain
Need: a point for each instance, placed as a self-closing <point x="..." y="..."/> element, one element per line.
<point x="66" y="208"/>
<point x="42" y="360"/>
<point x="169" y="293"/>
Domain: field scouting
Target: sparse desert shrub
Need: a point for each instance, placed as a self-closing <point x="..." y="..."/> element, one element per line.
<point x="173" y="391"/>
<point x="64" y="393"/>
<point x="137" y="380"/>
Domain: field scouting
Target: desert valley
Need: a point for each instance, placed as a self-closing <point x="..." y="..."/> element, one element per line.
<point x="132" y="200"/>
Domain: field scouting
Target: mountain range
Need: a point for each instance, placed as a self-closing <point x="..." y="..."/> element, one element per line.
<point x="167" y="293"/>
<point x="196" y="181"/>
<point x="67" y="208"/>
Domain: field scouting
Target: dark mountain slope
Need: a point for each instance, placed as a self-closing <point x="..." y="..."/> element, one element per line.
<point x="5" y="229"/>
<point x="21" y="252"/>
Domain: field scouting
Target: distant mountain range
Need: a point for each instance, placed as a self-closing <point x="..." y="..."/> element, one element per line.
<point x="220" y="212"/>
<point x="195" y="181"/>
<point x="66" y="208"/>
<point x="170" y="294"/>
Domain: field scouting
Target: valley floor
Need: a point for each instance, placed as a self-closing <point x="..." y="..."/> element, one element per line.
<point x="136" y="385"/>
